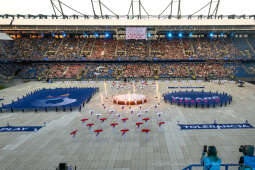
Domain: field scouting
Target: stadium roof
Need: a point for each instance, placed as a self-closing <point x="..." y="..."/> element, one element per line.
<point x="127" y="22"/>
<point x="121" y="7"/>
<point x="77" y="15"/>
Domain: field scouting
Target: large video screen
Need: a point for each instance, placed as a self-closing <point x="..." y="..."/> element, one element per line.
<point x="136" y="33"/>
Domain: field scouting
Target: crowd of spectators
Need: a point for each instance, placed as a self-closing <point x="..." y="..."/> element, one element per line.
<point x="122" y="70"/>
<point x="83" y="49"/>
<point x="215" y="48"/>
<point x="10" y="70"/>
<point x="111" y="49"/>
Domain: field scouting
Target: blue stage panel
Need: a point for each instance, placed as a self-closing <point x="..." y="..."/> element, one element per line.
<point x="198" y="98"/>
<point x="53" y="98"/>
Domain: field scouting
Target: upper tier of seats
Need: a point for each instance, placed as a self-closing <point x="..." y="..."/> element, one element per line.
<point x="69" y="49"/>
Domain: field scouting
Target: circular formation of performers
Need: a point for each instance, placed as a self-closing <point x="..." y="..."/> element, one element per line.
<point x="129" y="99"/>
<point x="198" y="99"/>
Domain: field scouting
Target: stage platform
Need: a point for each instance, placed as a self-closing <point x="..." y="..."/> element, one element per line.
<point x="168" y="148"/>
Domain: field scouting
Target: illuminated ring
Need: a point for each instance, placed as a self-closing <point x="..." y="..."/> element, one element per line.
<point x="129" y="99"/>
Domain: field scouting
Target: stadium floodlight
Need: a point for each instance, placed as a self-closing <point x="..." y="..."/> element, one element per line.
<point x="41" y="16"/>
<point x="20" y="16"/>
<point x="31" y="16"/>
<point x="242" y="17"/>
<point x="231" y="17"/>
<point x="149" y="35"/>
<point x="96" y="34"/>
<point x="54" y="17"/>
<point x="169" y="35"/>
<point x="220" y="16"/>
<point x="106" y="35"/>
<point x="252" y="16"/>
<point x="180" y="35"/>
<point x="75" y="16"/>
<point x="66" y="16"/>
<point x="211" y="34"/>
<point x="190" y="34"/>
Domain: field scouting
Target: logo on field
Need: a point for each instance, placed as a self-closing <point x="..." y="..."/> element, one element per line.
<point x="20" y="128"/>
<point x="54" y="101"/>
<point x="215" y="126"/>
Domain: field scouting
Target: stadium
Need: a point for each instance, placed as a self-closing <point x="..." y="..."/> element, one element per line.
<point x="166" y="87"/>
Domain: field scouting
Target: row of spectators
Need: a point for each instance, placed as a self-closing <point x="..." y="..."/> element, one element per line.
<point x="124" y="70"/>
<point x="112" y="49"/>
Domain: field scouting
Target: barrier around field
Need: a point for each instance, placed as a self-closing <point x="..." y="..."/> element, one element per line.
<point x="225" y="166"/>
